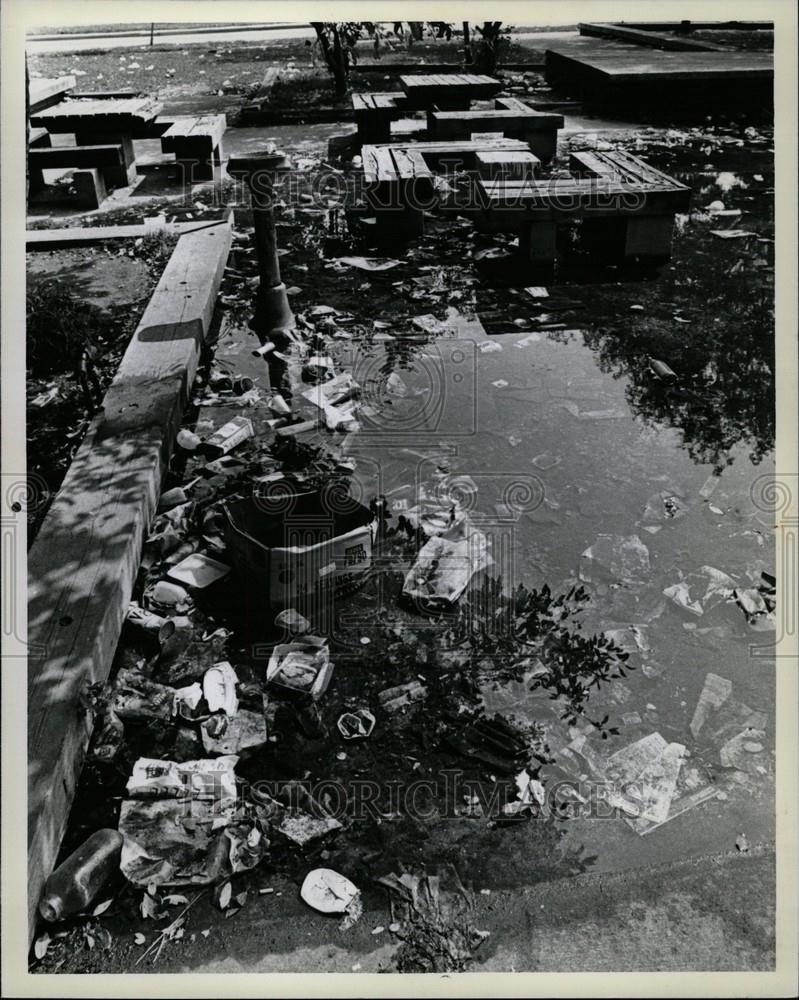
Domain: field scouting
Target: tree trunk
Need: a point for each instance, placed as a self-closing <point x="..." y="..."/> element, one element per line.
<point x="486" y="53"/>
<point x="467" y="44"/>
<point x="335" y="57"/>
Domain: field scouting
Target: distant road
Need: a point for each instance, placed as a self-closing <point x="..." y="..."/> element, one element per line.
<point x="138" y="38"/>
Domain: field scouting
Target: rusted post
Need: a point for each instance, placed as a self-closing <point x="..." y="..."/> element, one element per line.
<point x="259" y="171"/>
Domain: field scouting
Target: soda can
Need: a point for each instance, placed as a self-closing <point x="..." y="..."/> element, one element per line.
<point x="146" y="620"/>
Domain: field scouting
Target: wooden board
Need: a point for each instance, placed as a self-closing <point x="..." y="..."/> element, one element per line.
<point x="601" y="197"/>
<point x="98" y="115"/>
<point x="82" y="566"/>
<point x="379" y="166"/>
<point x="59" y="239"/>
<point x="203" y="127"/>
<point x="45" y="92"/>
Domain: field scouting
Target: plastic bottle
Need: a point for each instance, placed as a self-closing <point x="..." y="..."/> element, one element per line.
<point x="76" y="882"/>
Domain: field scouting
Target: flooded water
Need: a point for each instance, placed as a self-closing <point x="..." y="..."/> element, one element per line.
<point x="568" y="439"/>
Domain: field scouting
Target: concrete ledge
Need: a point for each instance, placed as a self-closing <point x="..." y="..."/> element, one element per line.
<point x="82" y="567"/>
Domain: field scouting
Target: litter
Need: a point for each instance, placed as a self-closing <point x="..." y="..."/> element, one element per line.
<point x="429" y="324"/>
<point x="708" y="487"/>
<point x="744" y="752"/>
<point x="328" y="892"/>
<point x="168" y="821"/>
<point x="537" y="292"/>
<point x="136" y="615"/>
<point x="490" y="347"/>
<point x="500" y="383"/>
<point x="370" y="263"/>
<point x="615" y="558"/>
<point x="198" y="571"/>
<point x="717" y="587"/>
<point x="731" y="234"/>
<point x="265" y="552"/>
<point x="172" y="498"/>
<point x="545" y="461"/>
<point x="230" y="435"/>
<point x="166" y="596"/>
<point x="77" y="881"/>
<point x="292" y="621"/>
<point x="356" y="725"/>
<point x="301" y="668"/>
<point x="394" y="698"/>
<point x="446" y="563"/>
<point x="662" y="370"/>
<point x="219" y="688"/>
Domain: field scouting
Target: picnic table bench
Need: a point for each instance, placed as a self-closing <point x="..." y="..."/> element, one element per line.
<point x="196" y="143"/>
<point x="450" y="91"/>
<point x="374" y="114"/>
<point x="108" y="160"/>
<point x="512" y="117"/>
<point x="399" y="177"/>
<point x="638" y="201"/>
<point x="99" y="122"/>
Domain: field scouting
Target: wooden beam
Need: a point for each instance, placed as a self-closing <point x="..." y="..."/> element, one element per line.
<point x="83" y="564"/>
<point x="84" y="236"/>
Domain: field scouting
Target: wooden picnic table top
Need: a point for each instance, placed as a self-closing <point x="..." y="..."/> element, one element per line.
<point x="98" y="114"/>
<point x="448" y="82"/>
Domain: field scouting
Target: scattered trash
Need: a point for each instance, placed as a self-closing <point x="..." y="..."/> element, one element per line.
<point x="715" y="584"/>
<point x="446" y="563"/>
<point x="356" y="725"/>
<point x="164" y="841"/>
<point x="394" y="698"/>
<point x="662" y="370"/>
<point x="537" y="292"/>
<point x="229" y="436"/>
<point x="198" y="571"/>
<point x="742" y="844"/>
<point x="292" y="621"/>
<point x="731" y="234"/>
<point x="188" y="440"/>
<point x="137" y="616"/>
<point x="619" y="558"/>
<point x="77" y="881"/>
<point x="500" y="383"/>
<point x="282" y="571"/>
<point x="302" y="667"/>
<point x="370" y="263"/>
<point x="328" y="892"/>
<point x="546" y="461"/>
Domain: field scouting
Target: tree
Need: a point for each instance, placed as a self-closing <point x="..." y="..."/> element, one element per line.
<point x="485" y="54"/>
<point x="337" y="42"/>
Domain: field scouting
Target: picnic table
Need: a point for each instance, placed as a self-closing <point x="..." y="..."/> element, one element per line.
<point x="448" y="91"/>
<point x="99" y="122"/>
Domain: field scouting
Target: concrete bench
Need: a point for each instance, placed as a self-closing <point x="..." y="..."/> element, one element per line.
<point x="374" y="114"/>
<point x="108" y="160"/>
<point x="398" y="177"/>
<point x="618" y="197"/>
<point x="512" y="117"/>
<point x="197" y="145"/>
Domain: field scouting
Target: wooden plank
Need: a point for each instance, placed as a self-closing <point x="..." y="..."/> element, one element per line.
<point x="403" y="165"/>
<point x="82" y="566"/>
<point x="58" y="239"/>
<point x="45" y="92"/>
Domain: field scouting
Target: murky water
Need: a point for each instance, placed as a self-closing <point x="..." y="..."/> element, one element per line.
<point x="569" y="435"/>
